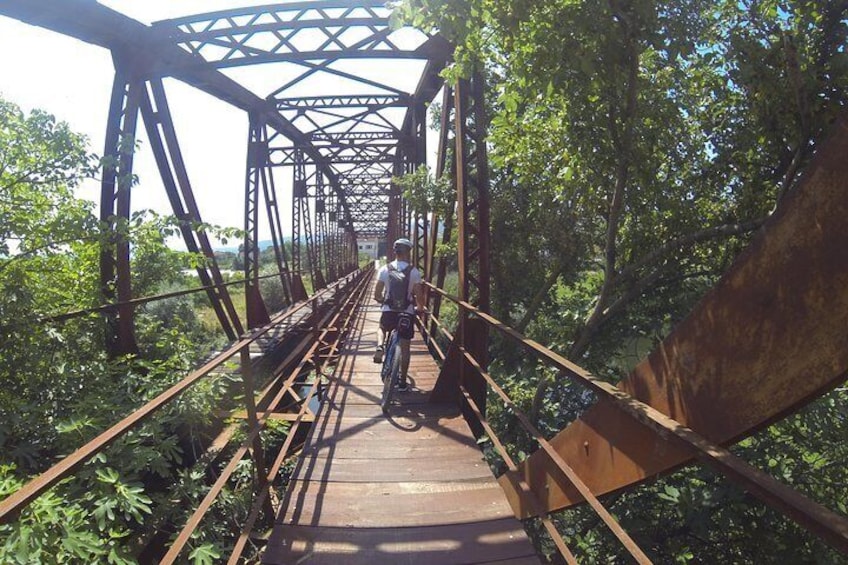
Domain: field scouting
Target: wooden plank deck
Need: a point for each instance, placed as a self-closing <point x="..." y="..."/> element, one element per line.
<point x="410" y="488"/>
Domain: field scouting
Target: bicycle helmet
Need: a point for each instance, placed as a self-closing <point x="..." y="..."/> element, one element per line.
<point x="402" y="242"/>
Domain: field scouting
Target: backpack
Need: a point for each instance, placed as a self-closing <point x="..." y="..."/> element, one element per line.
<point x="397" y="289"/>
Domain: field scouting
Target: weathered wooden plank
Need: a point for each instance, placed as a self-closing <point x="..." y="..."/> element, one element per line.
<point x="529" y="560"/>
<point x="412" y="407"/>
<point x="410" y="487"/>
<point x="388" y="505"/>
<point x="400" y="424"/>
<point x="376" y="449"/>
<point x="478" y="542"/>
<point x="340" y="469"/>
<point x="370" y="394"/>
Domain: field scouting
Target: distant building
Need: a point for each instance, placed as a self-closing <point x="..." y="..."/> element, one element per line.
<point x="369" y="247"/>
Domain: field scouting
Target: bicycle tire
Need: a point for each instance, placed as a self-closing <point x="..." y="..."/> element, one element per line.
<point x="386" y="374"/>
<point x="393" y="364"/>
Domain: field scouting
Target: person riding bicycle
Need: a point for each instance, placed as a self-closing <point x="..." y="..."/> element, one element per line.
<point x="401" y="293"/>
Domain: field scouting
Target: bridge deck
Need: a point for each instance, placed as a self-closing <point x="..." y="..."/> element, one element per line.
<point x="410" y="488"/>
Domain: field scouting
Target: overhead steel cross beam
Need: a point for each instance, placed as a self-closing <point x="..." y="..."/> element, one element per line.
<point x="373" y="102"/>
<point x="320" y="36"/>
<point x="264" y="34"/>
<point x="155" y="55"/>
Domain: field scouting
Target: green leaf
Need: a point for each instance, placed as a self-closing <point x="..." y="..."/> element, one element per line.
<point x="205" y="554"/>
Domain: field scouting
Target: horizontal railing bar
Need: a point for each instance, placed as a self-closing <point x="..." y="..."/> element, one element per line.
<point x="34" y="488"/>
<point x="147" y="299"/>
<point x="566" y="469"/>
<point x="528" y="493"/>
<point x="830" y="526"/>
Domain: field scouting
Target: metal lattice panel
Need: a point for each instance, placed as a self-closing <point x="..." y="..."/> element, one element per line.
<point x="366" y="131"/>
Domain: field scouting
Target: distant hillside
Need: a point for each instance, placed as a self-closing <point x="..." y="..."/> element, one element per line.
<point x="264" y="244"/>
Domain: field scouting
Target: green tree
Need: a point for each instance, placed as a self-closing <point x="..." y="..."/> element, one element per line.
<point x="58" y="389"/>
<point x="635" y="147"/>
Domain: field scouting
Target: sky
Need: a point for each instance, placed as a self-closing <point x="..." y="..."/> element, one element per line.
<point x="72" y="80"/>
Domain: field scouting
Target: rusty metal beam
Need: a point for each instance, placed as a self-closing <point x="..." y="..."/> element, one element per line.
<point x="172" y="170"/>
<point x="623" y="411"/>
<point x="153" y="54"/>
<point x="257" y="143"/>
<point x="472" y="210"/>
<point x="715" y="371"/>
<point x="115" y="208"/>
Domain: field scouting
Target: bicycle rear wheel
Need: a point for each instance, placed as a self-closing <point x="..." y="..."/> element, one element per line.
<point x="393" y="366"/>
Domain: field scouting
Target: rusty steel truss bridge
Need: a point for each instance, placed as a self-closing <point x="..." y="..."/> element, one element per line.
<point x="413" y="487"/>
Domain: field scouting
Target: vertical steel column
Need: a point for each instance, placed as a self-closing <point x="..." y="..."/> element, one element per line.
<point x="172" y="169"/>
<point x="321" y="243"/>
<point x="472" y="184"/>
<point x="419" y="159"/>
<point x="309" y="237"/>
<point x="298" y="194"/>
<point x="393" y="228"/>
<point x="332" y="220"/>
<point x="257" y="312"/>
<point x="472" y="193"/>
<point x="447" y="221"/>
<point x="115" y="188"/>
<point x="270" y="191"/>
<point x="354" y="251"/>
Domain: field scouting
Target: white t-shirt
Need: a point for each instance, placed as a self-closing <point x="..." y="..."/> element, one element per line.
<point x="414" y="279"/>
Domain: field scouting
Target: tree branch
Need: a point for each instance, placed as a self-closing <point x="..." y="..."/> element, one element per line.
<point x="40" y="248"/>
<point x="689" y="239"/>
<point x="539" y="298"/>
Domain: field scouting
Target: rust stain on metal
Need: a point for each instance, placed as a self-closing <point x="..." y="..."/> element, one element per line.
<point x="769" y="338"/>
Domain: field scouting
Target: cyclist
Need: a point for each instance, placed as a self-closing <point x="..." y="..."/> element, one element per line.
<point x="398" y="284"/>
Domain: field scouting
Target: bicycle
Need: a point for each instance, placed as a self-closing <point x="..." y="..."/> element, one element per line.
<point x="390" y="371"/>
<point x="392" y="363"/>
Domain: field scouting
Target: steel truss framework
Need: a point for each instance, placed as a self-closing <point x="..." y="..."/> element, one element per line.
<point x="342" y="149"/>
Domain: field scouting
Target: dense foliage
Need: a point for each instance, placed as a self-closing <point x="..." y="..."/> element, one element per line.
<point x="59" y="388"/>
<point x="635" y="147"/>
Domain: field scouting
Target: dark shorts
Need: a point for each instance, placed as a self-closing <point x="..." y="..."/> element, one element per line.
<point x="403" y="321"/>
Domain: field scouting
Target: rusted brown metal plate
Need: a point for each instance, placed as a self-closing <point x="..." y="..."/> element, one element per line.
<point x="770" y="337"/>
<point x="501" y="540"/>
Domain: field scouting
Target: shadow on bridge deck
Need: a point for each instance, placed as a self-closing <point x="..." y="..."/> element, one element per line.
<point x="409" y="488"/>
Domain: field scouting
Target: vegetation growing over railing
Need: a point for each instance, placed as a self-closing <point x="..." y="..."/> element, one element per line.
<point x="634" y="148"/>
<point x="60" y="389"/>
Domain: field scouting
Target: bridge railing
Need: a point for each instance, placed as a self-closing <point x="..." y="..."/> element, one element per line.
<point x="831" y="527"/>
<point x="322" y="347"/>
<point x="114" y="306"/>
